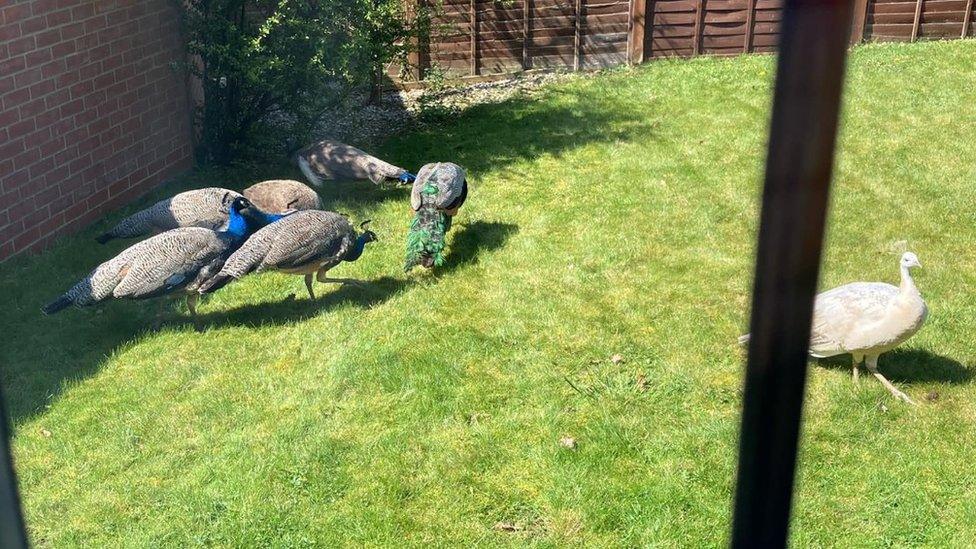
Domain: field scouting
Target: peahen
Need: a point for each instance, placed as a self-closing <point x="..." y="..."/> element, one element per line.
<point x="173" y="262"/>
<point x="867" y="319"/>
<point x="282" y="195"/>
<point x="333" y="160"/>
<point x="439" y="190"/>
<point x="207" y="208"/>
<point x="304" y="243"/>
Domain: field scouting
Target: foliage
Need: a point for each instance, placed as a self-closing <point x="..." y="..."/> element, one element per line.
<point x="270" y="68"/>
<point x="615" y="214"/>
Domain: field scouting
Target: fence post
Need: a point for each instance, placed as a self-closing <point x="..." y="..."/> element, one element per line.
<point x="918" y="19"/>
<point x="967" y="19"/>
<point x="750" y="23"/>
<point x="860" y="19"/>
<point x="526" y="33"/>
<point x="577" y="34"/>
<point x="475" y="68"/>
<point x="699" y="27"/>
<point x="419" y="56"/>
<point x="635" y="38"/>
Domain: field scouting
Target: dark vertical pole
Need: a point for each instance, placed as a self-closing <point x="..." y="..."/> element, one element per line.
<point x="810" y="73"/>
<point x="12" y="532"/>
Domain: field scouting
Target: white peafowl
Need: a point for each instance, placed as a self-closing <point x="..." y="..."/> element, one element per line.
<point x="333" y="160"/>
<point x="867" y="319"/>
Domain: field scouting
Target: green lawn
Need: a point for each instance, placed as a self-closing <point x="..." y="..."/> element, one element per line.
<point x="612" y="214"/>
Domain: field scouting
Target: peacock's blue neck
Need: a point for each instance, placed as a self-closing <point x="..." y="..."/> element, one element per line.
<point x="236" y="224"/>
<point x="357" y="249"/>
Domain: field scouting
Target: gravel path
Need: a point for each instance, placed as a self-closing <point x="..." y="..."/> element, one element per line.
<point x="399" y="111"/>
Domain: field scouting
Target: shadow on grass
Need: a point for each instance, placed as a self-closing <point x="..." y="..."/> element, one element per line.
<point x="40" y="354"/>
<point x="300" y="307"/>
<point x="911" y="366"/>
<point x="473" y="239"/>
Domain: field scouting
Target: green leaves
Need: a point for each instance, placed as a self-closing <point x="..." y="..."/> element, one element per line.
<point x="269" y="69"/>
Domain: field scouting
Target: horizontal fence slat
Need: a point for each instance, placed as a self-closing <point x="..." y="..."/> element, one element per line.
<point x="497" y="36"/>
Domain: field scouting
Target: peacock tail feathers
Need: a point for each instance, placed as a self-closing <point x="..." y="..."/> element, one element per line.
<point x="426" y="238"/>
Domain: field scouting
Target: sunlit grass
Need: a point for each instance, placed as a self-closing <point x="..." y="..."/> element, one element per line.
<point x="612" y="214"/>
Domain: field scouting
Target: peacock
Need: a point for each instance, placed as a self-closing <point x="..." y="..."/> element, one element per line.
<point x="174" y="262"/>
<point x="438" y="192"/>
<point x="282" y="195"/>
<point x="305" y="243"/>
<point x="867" y="319"/>
<point x="333" y="160"/>
<point x="207" y="208"/>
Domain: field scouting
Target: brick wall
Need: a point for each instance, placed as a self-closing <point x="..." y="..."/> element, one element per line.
<point x="91" y="114"/>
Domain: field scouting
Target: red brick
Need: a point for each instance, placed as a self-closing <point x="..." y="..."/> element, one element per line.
<point x="58" y="18"/>
<point x="42" y="88"/>
<point x="17" y="12"/>
<point x="53" y="68"/>
<point x="37" y="57"/>
<point x="26" y="158"/>
<point x="22" y="128"/>
<point x="9" y="32"/>
<point x="48" y="38"/>
<point x="72" y="107"/>
<point x="28" y="77"/>
<point x="63" y="49"/>
<point x="33" y="107"/>
<point x="20" y="45"/>
<point x="12" y="65"/>
<point x="16" y="98"/>
<point x="72" y="30"/>
<point x="34" y="24"/>
<point x="6" y="84"/>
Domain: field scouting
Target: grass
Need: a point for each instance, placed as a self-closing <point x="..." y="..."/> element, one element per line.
<point x="613" y="214"/>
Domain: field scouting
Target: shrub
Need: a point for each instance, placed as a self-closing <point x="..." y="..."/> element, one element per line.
<point x="270" y="68"/>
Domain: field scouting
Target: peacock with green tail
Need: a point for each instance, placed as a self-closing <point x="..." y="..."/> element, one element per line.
<point x="438" y="192"/>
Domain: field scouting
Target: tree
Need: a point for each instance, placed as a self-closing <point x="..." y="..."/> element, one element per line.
<point x="270" y="68"/>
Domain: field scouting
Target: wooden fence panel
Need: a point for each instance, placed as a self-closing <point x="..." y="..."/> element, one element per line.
<point x="487" y="37"/>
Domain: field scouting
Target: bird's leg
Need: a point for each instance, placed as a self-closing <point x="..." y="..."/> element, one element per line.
<point x="191" y="304"/>
<point x="856" y="370"/>
<point x="157" y="323"/>
<point x="872" y="366"/>
<point x="322" y="277"/>
<point x="308" y="284"/>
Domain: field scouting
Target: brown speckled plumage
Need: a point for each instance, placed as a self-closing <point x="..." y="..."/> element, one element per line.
<point x="179" y="259"/>
<point x="333" y="160"/>
<point x="281" y="195"/>
<point x="308" y="242"/>
<point x="207" y="208"/>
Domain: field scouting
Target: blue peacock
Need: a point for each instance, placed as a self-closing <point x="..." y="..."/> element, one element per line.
<point x="175" y="262"/>
<point x="307" y="243"/>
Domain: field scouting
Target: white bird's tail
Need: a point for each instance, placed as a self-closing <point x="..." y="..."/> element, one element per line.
<point x="309" y="173"/>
